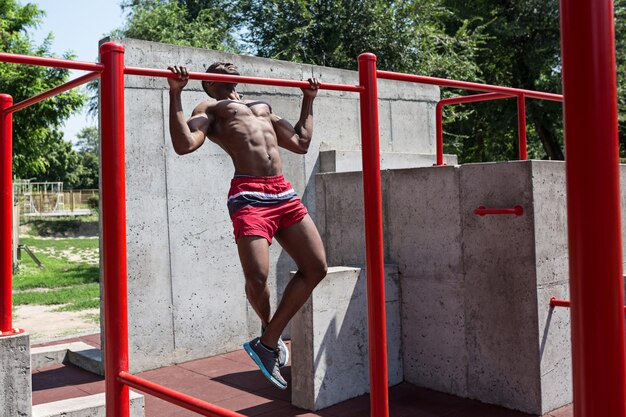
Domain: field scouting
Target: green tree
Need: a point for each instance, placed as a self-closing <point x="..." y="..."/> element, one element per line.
<point x="198" y="23"/>
<point x="62" y="164"/>
<point x="407" y="35"/>
<point x="88" y="140"/>
<point x="88" y="151"/>
<point x="523" y="51"/>
<point x="36" y="130"/>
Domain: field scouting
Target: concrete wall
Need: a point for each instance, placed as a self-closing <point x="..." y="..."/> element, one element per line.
<point x="15" y="378"/>
<point x="330" y="361"/>
<point x="476" y="320"/>
<point x="186" y="290"/>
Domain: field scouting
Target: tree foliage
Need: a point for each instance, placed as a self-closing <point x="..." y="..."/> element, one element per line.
<point x="198" y="23"/>
<point x="407" y="35"/>
<point x="37" y="135"/>
<point x="523" y="51"/>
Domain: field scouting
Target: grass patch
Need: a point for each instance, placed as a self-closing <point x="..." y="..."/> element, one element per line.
<point x="70" y="277"/>
<point x="76" y="298"/>
<point x="59" y="270"/>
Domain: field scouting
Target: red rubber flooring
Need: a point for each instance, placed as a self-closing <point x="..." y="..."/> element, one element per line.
<point x="232" y="381"/>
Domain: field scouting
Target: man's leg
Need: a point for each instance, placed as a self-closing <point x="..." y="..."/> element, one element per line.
<point x="254" y="256"/>
<point x="303" y="243"/>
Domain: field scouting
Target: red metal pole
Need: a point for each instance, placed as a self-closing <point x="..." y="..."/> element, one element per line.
<point x="49" y="62"/>
<point x="439" y="119"/>
<point x="388" y="75"/>
<point x="182" y="400"/>
<point x="482" y="210"/>
<point x="151" y="72"/>
<point x="593" y="203"/>
<point x="377" y="323"/>
<point x="114" y="228"/>
<point x="6" y="214"/>
<point x="521" y="127"/>
<point x="53" y="91"/>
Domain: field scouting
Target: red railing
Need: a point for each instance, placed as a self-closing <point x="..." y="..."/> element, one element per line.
<point x="592" y="181"/>
<point x="554" y="302"/>
<point x="113" y="214"/>
<point x="498" y="93"/>
<point x="483" y="211"/>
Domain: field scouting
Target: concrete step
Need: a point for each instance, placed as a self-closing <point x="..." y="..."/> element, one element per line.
<point x="77" y="353"/>
<point x="89" y="406"/>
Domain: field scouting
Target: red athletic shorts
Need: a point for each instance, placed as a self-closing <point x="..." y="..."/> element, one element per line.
<point x="262" y="206"/>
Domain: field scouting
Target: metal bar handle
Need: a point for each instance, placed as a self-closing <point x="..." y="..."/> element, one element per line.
<point x="483" y="211"/>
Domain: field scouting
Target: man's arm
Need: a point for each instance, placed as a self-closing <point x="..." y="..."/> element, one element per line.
<point x="297" y="139"/>
<point x="187" y="135"/>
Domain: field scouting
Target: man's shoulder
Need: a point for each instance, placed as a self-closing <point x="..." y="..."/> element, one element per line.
<point x="204" y="106"/>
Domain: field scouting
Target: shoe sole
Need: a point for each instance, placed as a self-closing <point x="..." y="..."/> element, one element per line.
<point x="265" y="372"/>
<point x="284" y="346"/>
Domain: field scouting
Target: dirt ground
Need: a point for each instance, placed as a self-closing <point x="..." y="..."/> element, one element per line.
<point x="44" y="325"/>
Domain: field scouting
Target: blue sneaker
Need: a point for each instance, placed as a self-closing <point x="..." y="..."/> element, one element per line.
<point x="283" y="353"/>
<point x="283" y="350"/>
<point x="267" y="361"/>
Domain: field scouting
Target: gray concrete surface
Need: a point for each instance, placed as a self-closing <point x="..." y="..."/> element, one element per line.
<point x="330" y="339"/>
<point x="475" y="290"/>
<point x="45" y="356"/>
<point x="15" y="380"/>
<point x="186" y="290"/>
<point x="348" y="161"/>
<point x="88" y="406"/>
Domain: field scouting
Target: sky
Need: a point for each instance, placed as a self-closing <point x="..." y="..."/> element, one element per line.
<point x="77" y="26"/>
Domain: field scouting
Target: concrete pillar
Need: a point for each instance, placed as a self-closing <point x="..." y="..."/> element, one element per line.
<point x="329" y="339"/>
<point x="15" y="379"/>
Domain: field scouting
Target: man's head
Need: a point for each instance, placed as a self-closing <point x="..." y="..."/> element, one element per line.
<point x="219" y="68"/>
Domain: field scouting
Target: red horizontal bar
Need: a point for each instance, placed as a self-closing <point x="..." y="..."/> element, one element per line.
<point x="183" y="400"/>
<point x="482" y="210"/>
<point x="151" y="72"/>
<point x="53" y="92"/>
<point x="474" y="98"/>
<point x="466" y="85"/>
<point x="50" y="62"/>
<point x="565" y="303"/>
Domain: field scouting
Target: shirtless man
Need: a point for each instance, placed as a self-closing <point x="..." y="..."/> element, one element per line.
<point x="261" y="204"/>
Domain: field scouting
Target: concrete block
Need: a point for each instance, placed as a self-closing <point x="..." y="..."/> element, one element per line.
<point x="186" y="297"/>
<point x="44" y="356"/>
<point x="88" y="359"/>
<point x="433" y="334"/>
<point x="340" y="217"/>
<point x="88" y="406"/>
<point x="330" y="344"/>
<point x="424" y="226"/>
<point x="419" y="134"/>
<point x="501" y="289"/>
<point x="15" y="376"/>
<point x="351" y="161"/>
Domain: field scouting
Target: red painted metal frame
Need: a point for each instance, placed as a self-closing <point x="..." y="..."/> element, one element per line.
<point x="375" y="262"/>
<point x="150" y="72"/>
<point x="6" y="215"/>
<point x="53" y="92"/>
<point x="388" y="75"/>
<point x="521" y="127"/>
<point x="113" y="190"/>
<point x="50" y="62"/>
<point x="190" y="403"/>
<point x="554" y="302"/>
<point x="114" y="238"/>
<point x="593" y="207"/>
<point x="483" y="211"/>
<point x="458" y="100"/>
